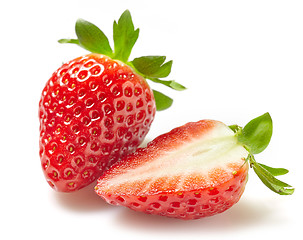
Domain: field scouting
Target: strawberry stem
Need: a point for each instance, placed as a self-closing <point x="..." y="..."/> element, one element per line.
<point x="91" y="38"/>
<point x="255" y="137"/>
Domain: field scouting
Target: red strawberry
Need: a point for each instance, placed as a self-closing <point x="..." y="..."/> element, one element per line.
<point x="196" y="170"/>
<point x="97" y="108"/>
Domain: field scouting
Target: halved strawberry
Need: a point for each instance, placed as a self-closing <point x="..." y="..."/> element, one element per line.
<point x="97" y="108"/>
<point x="196" y="170"/>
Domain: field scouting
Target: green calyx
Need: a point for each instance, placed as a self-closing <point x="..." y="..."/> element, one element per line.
<point x="255" y="137"/>
<point x="154" y="68"/>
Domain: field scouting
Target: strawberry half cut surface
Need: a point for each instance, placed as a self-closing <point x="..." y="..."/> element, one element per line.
<point x="97" y="108"/>
<point x="193" y="171"/>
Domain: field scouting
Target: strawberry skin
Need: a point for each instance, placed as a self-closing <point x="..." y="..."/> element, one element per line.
<point x="193" y="171"/>
<point x="98" y="108"/>
<point x="93" y="110"/>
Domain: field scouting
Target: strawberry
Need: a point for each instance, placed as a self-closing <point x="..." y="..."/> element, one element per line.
<point x="97" y="108"/>
<point x="193" y="171"/>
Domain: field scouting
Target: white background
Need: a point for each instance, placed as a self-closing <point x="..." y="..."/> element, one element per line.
<point x="238" y="59"/>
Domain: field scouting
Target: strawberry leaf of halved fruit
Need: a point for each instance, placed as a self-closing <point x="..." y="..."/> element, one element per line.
<point x="257" y="133"/>
<point x="271" y="182"/>
<point x="255" y="137"/>
<point x="274" y="171"/>
<point x="91" y="38"/>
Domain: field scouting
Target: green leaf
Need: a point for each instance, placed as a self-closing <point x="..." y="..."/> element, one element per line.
<point x="125" y="36"/>
<point x="257" y="133"/>
<point x="148" y="65"/>
<point x="69" y="40"/>
<point x="275" y="171"/>
<point x="162" y="101"/>
<point x="164" y="70"/>
<point x="170" y="83"/>
<point x="270" y="181"/>
<point x="153" y="66"/>
<point x="92" y="38"/>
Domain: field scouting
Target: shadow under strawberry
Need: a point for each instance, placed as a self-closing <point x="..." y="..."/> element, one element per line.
<point x="245" y="215"/>
<point x="84" y="200"/>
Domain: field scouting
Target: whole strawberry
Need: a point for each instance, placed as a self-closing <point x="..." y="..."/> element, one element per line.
<point x="97" y="108"/>
<point x="196" y="170"/>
